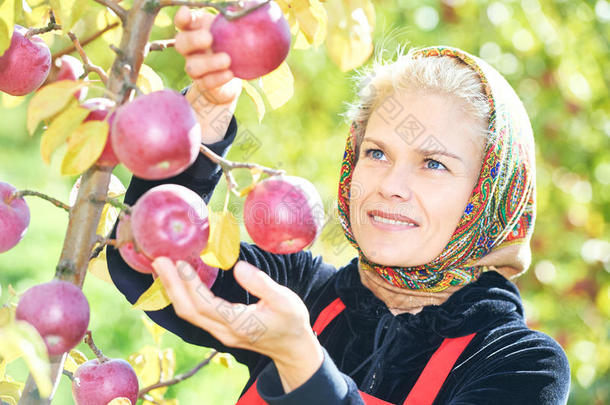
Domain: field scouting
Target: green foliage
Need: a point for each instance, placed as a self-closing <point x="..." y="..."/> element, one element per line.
<point x="554" y="53"/>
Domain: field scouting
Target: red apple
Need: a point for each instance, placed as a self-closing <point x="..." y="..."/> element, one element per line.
<point x="24" y="66"/>
<point x="283" y="214"/>
<point x="257" y="42"/>
<point x="98" y="383"/>
<point x="70" y="68"/>
<point x="14" y="218"/>
<point x="59" y="311"/>
<point x="135" y="260"/>
<point x="100" y="107"/>
<point x="157" y="135"/>
<point x="170" y="220"/>
<point x="207" y="274"/>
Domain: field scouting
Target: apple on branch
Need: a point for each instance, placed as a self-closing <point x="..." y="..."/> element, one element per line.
<point x="59" y="311"/>
<point x="98" y="383"/>
<point x="14" y="217"/>
<point x="100" y="107"/>
<point x="69" y="68"/>
<point x="157" y="135"/>
<point x="283" y="214"/>
<point x="257" y="43"/>
<point x="25" y="65"/>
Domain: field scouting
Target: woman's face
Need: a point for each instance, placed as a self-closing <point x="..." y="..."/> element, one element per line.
<point x="418" y="163"/>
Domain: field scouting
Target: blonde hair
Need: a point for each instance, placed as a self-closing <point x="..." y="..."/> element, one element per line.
<point x="444" y="75"/>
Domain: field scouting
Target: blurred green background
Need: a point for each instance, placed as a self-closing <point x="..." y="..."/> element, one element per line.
<point x="556" y="56"/>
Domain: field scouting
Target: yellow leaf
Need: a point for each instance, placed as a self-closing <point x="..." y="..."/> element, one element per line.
<point x="120" y="401"/>
<point x="222" y="249"/>
<point x="7" y="314"/>
<point x="256" y="176"/>
<point x="84" y="147"/>
<point x="163" y="19"/>
<point x="73" y="360"/>
<point x="38" y="14"/>
<point x="153" y="365"/>
<point x="278" y="85"/>
<point x="155" y="330"/>
<point x="224" y="359"/>
<point x="153" y="299"/>
<point x="7" y="21"/>
<point x="20" y="339"/>
<point x="312" y="19"/>
<point x="2" y="368"/>
<point x="99" y="268"/>
<point x="9" y="101"/>
<point x="256" y="98"/>
<point x="64" y="124"/>
<point x="50" y="100"/>
<point x="149" y="80"/>
<point x="350" y="27"/>
<point x="10" y="392"/>
<point x="68" y="12"/>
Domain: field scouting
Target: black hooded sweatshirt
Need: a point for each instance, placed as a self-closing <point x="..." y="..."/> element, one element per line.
<point x="366" y="347"/>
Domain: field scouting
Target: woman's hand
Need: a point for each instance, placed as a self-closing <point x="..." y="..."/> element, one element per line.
<point x="209" y="71"/>
<point x="276" y="326"/>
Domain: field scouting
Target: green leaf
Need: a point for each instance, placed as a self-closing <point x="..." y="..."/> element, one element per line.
<point x="7" y="21"/>
<point x="256" y="98"/>
<point x="222" y="249"/>
<point x="278" y="85"/>
<point x="50" y="100"/>
<point x="20" y="339"/>
<point x="153" y="299"/>
<point x="64" y="125"/>
<point x="10" y="391"/>
<point x="84" y="147"/>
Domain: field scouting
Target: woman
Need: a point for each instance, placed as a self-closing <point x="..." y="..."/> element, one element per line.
<point x="437" y="194"/>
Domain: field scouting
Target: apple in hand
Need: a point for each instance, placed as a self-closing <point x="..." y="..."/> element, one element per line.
<point x="283" y="214"/>
<point x="14" y="218"/>
<point x="59" y="311"/>
<point x="257" y="43"/>
<point x="97" y="383"/>
<point x="100" y="107"/>
<point x="157" y="135"/>
<point x="170" y="220"/>
<point x="24" y="66"/>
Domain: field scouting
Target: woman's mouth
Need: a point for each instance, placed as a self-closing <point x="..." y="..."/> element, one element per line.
<point x="391" y="222"/>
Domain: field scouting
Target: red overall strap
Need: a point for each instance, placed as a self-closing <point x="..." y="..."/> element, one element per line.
<point x="436" y="371"/>
<point x="328" y="314"/>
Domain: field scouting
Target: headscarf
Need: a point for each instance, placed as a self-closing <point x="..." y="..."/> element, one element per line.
<point x="496" y="226"/>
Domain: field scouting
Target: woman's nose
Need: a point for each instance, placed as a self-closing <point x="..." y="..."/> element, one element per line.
<point x="395" y="183"/>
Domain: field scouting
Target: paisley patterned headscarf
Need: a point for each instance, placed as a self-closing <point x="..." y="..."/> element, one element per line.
<point x="496" y="226"/>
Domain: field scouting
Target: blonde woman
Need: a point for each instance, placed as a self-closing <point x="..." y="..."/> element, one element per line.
<point x="437" y="194"/>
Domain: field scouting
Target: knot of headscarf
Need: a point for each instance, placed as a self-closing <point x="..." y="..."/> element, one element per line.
<point x="497" y="224"/>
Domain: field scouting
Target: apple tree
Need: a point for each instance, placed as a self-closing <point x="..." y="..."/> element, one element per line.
<point x="116" y="111"/>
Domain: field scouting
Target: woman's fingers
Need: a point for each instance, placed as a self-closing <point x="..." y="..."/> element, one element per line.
<point x="192" y="42"/>
<point x="199" y="65"/>
<point x="185" y="19"/>
<point x="260" y="284"/>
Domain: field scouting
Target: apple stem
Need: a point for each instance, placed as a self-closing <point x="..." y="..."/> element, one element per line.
<point x="22" y="193"/>
<point x="68" y="374"/>
<point x="114" y="6"/>
<point x="51" y="26"/>
<point x="178" y="378"/>
<point x="98" y="353"/>
<point x="86" y="41"/>
<point x="89" y="67"/>
<point x="103" y="242"/>
<point x="111" y="201"/>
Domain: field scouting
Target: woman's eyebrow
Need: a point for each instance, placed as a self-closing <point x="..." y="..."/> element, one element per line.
<point x="427" y="152"/>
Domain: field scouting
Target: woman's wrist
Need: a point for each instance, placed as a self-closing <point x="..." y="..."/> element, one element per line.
<point x="214" y="119"/>
<point x="300" y="363"/>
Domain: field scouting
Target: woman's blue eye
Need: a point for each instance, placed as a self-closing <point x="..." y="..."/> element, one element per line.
<point x="376" y="154"/>
<point x="434" y="164"/>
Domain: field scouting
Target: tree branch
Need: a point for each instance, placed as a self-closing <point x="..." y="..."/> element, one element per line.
<point x="111" y="201"/>
<point x="89" y="67"/>
<point x="228" y="165"/>
<point x="103" y="242"/>
<point x="51" y="26"/>
<point x="159" y="45"/>
<point x="118" y="10"/>
<point x="222" y="7"/>
<point x="98" y="353"/>
<point x="86" y="41"/>
<point x="178" y="378"/>
<point x="21" y="193"/>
